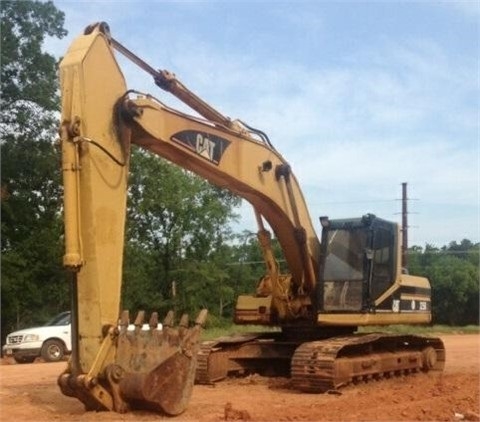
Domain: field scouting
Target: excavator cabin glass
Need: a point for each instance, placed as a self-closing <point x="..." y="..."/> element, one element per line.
<point x="358" y="263"/>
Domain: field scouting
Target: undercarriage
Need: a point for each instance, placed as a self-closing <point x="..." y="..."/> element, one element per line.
<point x="319" y="365"/>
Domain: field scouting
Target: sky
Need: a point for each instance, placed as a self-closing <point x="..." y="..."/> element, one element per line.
<point x="358" y="97"/>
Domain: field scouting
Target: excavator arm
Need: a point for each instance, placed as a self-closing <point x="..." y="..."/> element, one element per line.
<point x="244" y="166"/>
<point x="289" y="211"/>
<point x="230" y="157"/>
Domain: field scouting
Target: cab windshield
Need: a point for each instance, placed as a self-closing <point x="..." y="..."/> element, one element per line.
<point x="344" y="269"/>
<point x="345" y="255"/>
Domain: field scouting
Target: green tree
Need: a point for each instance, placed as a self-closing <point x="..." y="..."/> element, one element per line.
<point x="465" y="250"/>
<point x="453" y="272"/>
<point x="454" y="288"/>
<point x="33" y="285"/>
<point x="244" y="265"/>
<point x="177" y="223"/>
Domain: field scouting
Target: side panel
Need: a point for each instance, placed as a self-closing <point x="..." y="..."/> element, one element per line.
<point x="406" y="302"/>
<point x="95" y="186"/>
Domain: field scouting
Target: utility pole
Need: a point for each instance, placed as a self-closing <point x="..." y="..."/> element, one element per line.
<point x="404" y="226"/>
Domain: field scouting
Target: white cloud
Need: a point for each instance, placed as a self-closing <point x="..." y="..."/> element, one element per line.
<point x="310" y="22"/>
<point x="468" y="8"/>
<point x="392" y="111"/>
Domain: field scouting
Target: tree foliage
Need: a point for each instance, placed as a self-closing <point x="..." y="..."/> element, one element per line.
<point x="453" y="272"/>
<point x="32" y="282"/>
<point x="177" y="224"/>
<point x="28" y="73"/>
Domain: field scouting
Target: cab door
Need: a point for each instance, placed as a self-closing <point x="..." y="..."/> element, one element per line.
<point x="382" y="258"/>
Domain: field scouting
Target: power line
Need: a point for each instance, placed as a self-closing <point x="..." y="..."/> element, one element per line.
<point x="360" y="202"/>
<point x="440" y="252"/>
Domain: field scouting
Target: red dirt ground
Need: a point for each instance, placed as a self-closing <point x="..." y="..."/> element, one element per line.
<point x="29" y="393"/>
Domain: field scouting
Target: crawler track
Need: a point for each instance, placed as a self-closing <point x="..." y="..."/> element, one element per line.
<point x="320" y="366"/>
<point x="265" y="353"/>
<point x="217" y="358"/>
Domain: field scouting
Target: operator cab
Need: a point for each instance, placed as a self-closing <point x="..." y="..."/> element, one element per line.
<point x="359" y="263"/>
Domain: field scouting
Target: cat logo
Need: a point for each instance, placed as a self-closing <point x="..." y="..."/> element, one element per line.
<point x="207" y="145"/>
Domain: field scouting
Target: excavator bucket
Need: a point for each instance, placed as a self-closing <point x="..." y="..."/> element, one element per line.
<point x="152" y="368"/>
<point x="166" y="388"/>
<point x="160" y="365"/>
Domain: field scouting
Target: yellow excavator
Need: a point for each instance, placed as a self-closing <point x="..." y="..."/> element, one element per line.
<point x="353" y="277"/>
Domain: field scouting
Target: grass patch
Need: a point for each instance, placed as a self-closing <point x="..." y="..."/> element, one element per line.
<point x="229" y="329"/>
<point x="422" y="329"/>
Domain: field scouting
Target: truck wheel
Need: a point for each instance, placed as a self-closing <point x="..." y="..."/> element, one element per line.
<point x="23" y="359"/>
<point x="52" y="351"/>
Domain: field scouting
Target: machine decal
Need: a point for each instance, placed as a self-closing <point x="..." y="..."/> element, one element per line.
<point x="405" y="304"/>
<point x="208" y="146"/>
<point x="414" y="306"/>
<point x="396" y="305"/>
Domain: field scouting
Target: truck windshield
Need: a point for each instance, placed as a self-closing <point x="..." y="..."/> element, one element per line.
<point x="60" y="319"/>
<point x="345" y="255"/>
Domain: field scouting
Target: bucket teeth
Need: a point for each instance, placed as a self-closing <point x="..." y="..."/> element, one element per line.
<point x="153" y="323"/>
<point x="201" y="317"/>
<point x="168" y="321"/>
<point x="184" y="321"/>
<point x="183" y="326"/>
<point x="124" y="320"/>
<point x="139" y="319"/>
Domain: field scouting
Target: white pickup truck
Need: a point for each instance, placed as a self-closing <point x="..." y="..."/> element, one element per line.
<point x="52" y="341"/>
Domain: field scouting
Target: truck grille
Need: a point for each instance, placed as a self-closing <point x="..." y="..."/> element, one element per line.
<point x="14" y="339"/>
